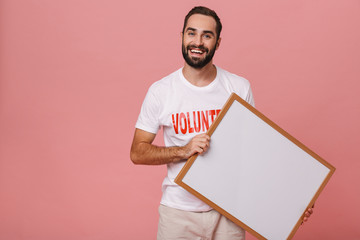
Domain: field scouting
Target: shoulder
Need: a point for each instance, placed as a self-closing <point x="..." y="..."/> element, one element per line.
<point x="232" y="77"/>
<point x="232" y="81"/>
<point x="165" y="83"/>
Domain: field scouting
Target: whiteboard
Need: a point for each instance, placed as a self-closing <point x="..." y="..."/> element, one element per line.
<point x="255" y="173"/>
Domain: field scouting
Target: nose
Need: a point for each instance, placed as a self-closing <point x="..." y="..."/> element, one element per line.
<point x="198" y="40"/>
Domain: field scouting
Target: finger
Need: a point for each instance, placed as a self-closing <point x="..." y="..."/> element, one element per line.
<point x="202" y="140"/>
<point x="207" y="137"/>
<point x="203" y="144"/>
<point x="205" y="149"/>
<point x="203" y="137"/>
<point x="310" y="210"/>
<point x="200" y="150"/>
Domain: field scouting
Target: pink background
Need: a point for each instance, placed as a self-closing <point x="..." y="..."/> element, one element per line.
<point x="74" y="74"/>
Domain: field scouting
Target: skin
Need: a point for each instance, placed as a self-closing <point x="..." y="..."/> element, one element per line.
<point x="307" y="214"/>
<point x="199" y="32"/>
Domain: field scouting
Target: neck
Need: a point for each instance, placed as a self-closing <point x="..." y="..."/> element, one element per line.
<point x="200" y="77"/>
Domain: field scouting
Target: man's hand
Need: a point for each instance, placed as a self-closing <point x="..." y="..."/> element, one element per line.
<point x="308" y="213"/>
<point x="144" y="152"/>
<point x="198" y="144"/>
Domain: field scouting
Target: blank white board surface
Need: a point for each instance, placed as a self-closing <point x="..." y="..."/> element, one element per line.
<point x="255" y="173"/>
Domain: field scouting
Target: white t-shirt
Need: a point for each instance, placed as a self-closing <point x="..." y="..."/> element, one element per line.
<point x="184" y="111"/>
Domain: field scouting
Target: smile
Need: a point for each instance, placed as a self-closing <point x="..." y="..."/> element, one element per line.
<point x="196" y="51"/>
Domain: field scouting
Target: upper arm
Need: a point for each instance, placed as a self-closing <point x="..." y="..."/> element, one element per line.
<point x="143" y="136"/>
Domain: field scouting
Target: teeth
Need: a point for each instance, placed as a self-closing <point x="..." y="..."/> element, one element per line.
<point x="196" y="51"/>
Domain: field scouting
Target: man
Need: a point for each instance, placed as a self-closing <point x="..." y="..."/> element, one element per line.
<point x="185" y="103"/>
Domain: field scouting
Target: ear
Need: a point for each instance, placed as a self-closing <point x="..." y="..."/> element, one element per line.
<point x="218" y="43"/>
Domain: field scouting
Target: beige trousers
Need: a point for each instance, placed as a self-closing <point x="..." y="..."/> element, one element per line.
<point x="184" y="225"/>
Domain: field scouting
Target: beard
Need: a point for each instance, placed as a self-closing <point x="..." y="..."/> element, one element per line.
<point x="194" y="61"/>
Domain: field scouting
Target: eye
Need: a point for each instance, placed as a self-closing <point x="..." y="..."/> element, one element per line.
<point x="207" y="36"/>
<point x="191" y="33"/>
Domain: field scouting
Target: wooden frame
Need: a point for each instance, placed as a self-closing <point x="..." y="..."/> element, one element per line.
<point x="255" y="173"/>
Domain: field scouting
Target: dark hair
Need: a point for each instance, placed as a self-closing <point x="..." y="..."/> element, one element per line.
<point x="204" y="11"/>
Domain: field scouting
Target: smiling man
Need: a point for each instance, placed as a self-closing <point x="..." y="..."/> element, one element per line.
<point x="184" y="104"/>
<point x="196" y="54"/>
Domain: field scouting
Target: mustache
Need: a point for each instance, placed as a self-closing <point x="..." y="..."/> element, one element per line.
<point x="201" y="47"/>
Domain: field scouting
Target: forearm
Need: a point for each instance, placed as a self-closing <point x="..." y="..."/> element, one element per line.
<point x="149" y="154"/>
<point x="144" y="152"/>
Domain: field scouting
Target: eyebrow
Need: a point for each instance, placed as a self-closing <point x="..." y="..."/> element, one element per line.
<point x="205" y="31"/>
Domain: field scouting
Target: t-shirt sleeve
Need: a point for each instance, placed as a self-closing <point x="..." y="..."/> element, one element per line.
<point x="148" y="119"/>
<point x="249" y="97"/>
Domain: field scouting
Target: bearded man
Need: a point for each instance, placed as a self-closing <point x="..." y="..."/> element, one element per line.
<point x="184" y="104"/>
